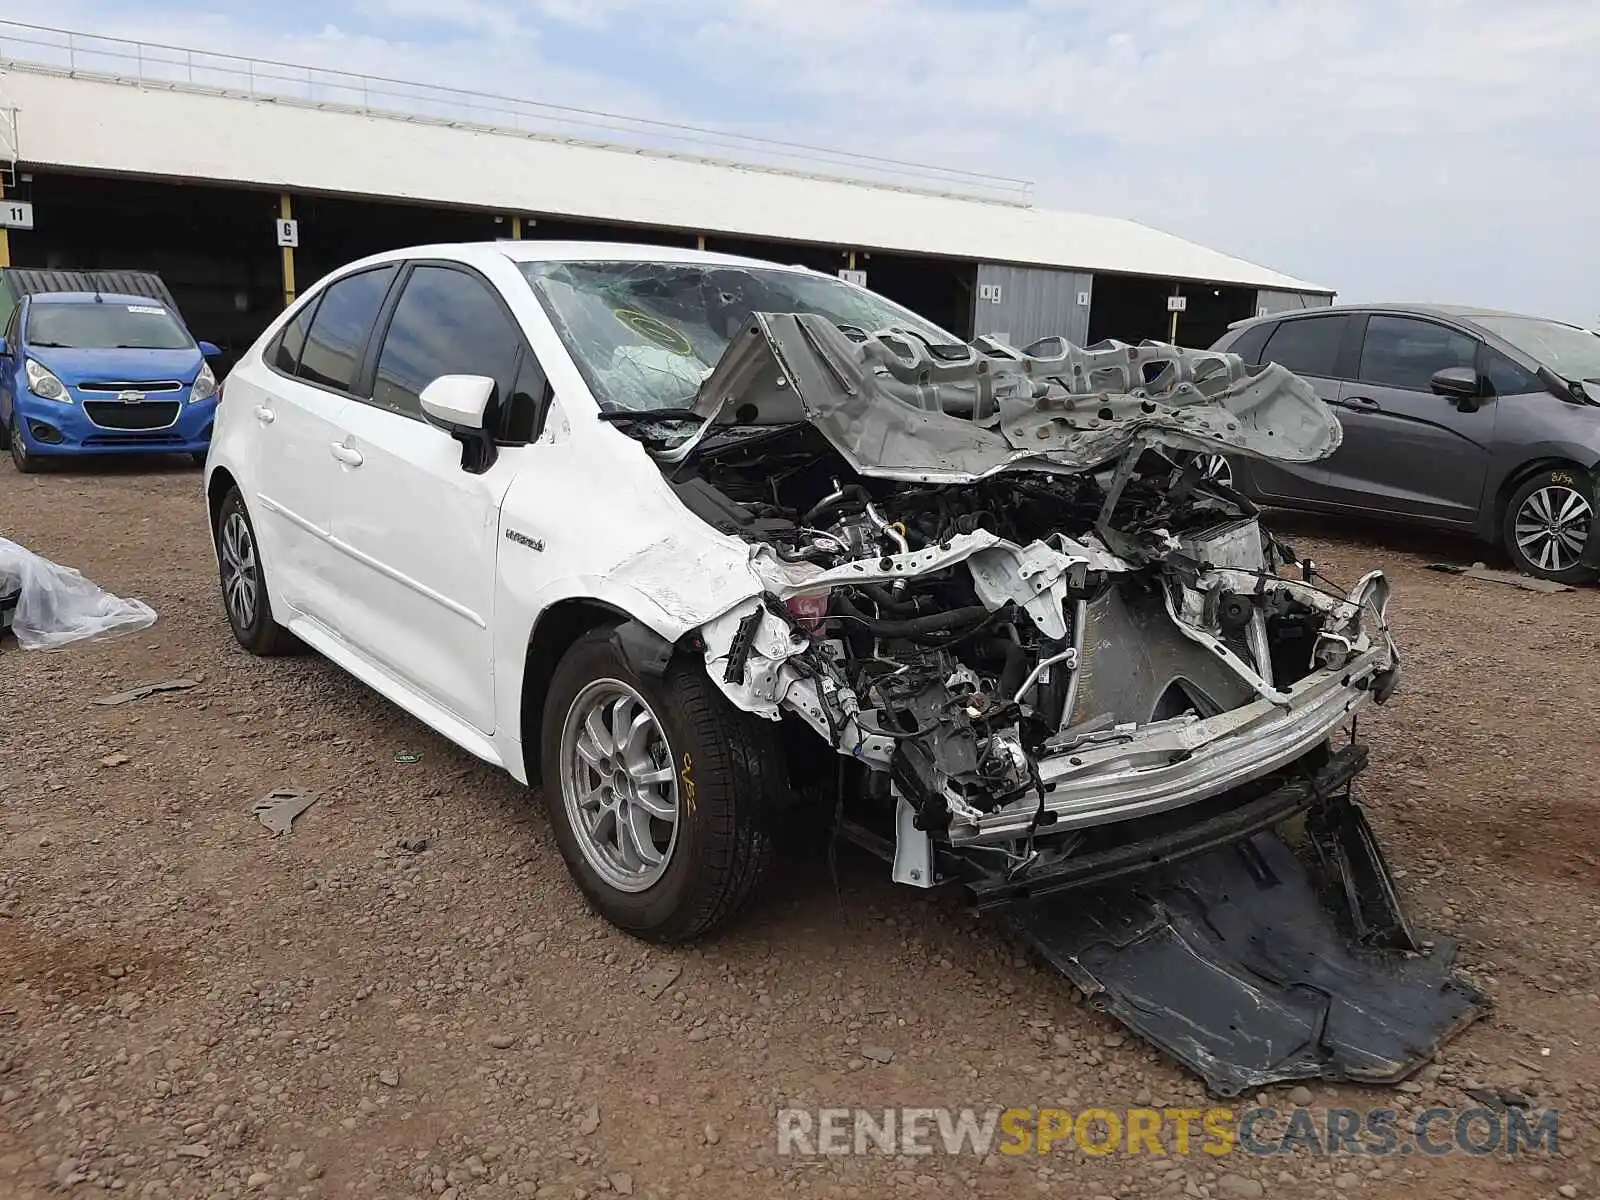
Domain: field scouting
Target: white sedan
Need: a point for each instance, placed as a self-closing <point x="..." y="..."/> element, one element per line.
<point x="697" y="540"/>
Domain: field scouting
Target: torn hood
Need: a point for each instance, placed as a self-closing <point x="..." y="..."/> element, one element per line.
<point x="898" y="407"/>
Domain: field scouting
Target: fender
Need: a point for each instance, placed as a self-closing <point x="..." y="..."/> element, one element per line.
<point x="647" y="635"/>
<point x="1511" y="463"/>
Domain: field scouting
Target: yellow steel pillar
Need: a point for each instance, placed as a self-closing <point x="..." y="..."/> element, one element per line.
<point x="5" y="234"/>
<point x="852" y="260"/>
<point x="516" y="228"/>
<point x="286" y="212"/>
<point x="700" y="242"/>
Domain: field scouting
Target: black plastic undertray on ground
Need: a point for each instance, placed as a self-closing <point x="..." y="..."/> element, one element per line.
<point x="1233" y="963"/>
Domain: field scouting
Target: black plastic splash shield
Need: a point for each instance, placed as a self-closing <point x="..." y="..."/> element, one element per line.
<point x="1232" y="964"/>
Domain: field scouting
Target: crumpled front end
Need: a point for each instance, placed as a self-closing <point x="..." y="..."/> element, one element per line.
<point x="1053" y="658"/>
<point x="998" y="581"/>
<point x="1006" y="692"/>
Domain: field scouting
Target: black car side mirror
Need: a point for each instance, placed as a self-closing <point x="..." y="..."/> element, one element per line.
<point x="1458" y="383"/>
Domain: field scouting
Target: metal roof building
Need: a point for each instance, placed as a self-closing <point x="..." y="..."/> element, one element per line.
<point x="159" y="140"/>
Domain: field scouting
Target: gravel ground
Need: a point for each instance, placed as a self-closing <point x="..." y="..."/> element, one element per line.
<point x="407" y="997"/>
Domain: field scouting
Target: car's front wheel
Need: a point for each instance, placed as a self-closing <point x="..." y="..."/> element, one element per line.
<point x="244" y="582"/>
<point x="661" y="793"/>
<point x="1548" y="524"/>
<point x="25" y="462"/>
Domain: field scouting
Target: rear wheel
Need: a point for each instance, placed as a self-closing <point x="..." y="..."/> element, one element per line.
<point x="1548" y="525"/>
<point x="661" y="794"/>
<point x="244" y="582"/>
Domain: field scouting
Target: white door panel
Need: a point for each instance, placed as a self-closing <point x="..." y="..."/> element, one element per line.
<point x="416" y="541"/>
<point x="295" y="480"/>
<point x="292" y="421"/>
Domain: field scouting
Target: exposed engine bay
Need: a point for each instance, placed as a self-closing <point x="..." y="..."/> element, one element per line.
<point x="1061" y="664"/>
<point x="1016" y="647"/>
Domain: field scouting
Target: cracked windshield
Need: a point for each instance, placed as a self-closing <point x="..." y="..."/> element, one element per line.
<point x="646" y="335"/>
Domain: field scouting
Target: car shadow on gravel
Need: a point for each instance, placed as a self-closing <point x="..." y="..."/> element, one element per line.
<point x="97" y="465"/>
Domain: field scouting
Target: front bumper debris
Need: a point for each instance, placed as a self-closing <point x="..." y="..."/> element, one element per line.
<point x="1251" y="964"/>
<point x="1170" y="764"/>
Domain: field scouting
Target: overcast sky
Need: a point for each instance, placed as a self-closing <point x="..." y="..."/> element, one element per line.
<point x="1393" y="149"/>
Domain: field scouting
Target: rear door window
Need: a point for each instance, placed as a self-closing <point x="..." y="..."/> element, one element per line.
<point x="1404" y="352"/>
<point x="341" y="327"/>
<point x="1308" y="345"/>
<point x="448" y="322"/>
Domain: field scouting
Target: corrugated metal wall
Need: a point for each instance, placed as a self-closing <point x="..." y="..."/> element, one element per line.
<point x="1027" y="303"/>
<point x="1268" y="302"/>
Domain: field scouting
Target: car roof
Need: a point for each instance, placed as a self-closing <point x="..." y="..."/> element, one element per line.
<point x="94" y="297"/>
<point x="1452" y="312"/>
<point x="533" y="250"/>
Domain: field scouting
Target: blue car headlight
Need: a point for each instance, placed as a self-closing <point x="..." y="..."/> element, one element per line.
<point x="43" y="383"/>
<point x="204" y="386"/>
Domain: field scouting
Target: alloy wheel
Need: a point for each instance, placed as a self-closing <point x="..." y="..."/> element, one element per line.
<point x="1552" y="527"/>
<point x="1215" y="468"/>
<point x="241" y="583"/>
<point x="618" y="785"/>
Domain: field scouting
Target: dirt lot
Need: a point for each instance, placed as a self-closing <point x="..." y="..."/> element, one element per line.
<point x="189" y="1007"/>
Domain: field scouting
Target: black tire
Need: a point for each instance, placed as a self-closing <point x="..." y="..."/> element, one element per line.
<point x="257" y="632"/>
<point x="1534" y="534"/>
<point x="198" y="458"/>
<point x="728" y="770"/>
<point x="26" y="464"/>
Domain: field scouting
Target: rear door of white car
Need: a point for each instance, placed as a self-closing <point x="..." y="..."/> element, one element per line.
<point x="418" y="531"/>
<point x="295" y="410"/>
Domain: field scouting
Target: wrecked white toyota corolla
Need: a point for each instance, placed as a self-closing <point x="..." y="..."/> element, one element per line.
<point x="726" y="543"/>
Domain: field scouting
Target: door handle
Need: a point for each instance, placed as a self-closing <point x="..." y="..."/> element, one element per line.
<point x="1364" y="402"/>
<point x="348" y="455"/>
<point x="265" y="415"/>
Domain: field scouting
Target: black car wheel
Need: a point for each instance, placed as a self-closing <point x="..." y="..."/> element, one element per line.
<point x="1216" y="469"/>
<point x="244" y="582"/>
<point x="26" y="463"/>
<point x="1213" y="467"/>
<point x="661" y="793"/>
<point x="1549" y="522"/>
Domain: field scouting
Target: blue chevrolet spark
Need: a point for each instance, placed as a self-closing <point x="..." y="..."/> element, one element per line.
<point x="102" y="373"/>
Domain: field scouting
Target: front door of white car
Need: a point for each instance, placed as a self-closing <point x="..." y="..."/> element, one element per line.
<point x="294" y="413"/>
<point x="416" y="529"/>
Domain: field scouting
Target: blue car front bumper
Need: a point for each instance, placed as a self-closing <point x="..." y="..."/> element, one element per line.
<point x="162" y="422"/>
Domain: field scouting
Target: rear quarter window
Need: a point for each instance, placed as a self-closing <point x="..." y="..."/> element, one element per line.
<point x="284" y="353"/>
<point x="1250" y="342"/>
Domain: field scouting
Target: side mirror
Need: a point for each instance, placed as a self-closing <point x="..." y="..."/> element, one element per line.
<point x="1458" y="383"/>
<point x="457" y="404"/>
<point x="209" y="349"/>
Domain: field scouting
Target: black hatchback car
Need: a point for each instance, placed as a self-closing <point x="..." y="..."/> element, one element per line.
<point x="1460" y="418"/>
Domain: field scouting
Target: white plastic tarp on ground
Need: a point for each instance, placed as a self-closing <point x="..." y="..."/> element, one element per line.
<point x="58" y="606"/>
